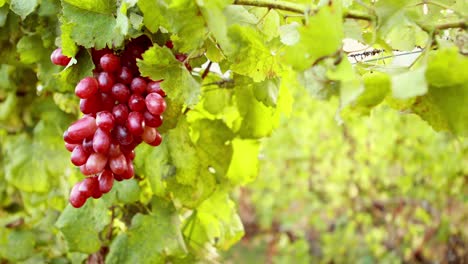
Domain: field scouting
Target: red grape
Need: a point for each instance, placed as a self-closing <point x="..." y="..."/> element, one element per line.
<point x="106" y="180"/>
<point x="110" y="62"/>
<point x="136" y="103"/>
<point x="67" y="138"/>
<point x="97" y="54"/>
<point x="105" y="81"/>
<point x="87" y="186"/>
<point x="70" y="147"/>
<point x="135" y="123"/>
<point x="107" y="102"/>
<point x="88" y="145"/>
<point x="124" y="75"/>
<point x="120" y="113"/>
<point x="155" y="87"/>
<point x="152" y="120"/>
<point x="118" y="164"/>
<point x="79" y="156"/>
<point x="82" y="128"/>
<point x="101" y="141"/>
<point x="120" y="92"/>
<point x="123" y="136"/>
<point x="138" y="85"/>
<point x="96" y="163"/>
<point x="77" y="199"/>
<point x="157" y="141"/>
<point x="149" y="135"/>
<point x="155" y="103"/>
<point x="130" y="171"/>
<point x="91" y="105"/>
<point x="87" y="87"/>
<point x="114" y="150"/>
<point x="58" y="58"/>
<point x="105" y="120"/>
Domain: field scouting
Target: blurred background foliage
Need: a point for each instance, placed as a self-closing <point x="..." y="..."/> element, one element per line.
<point x="379" y="189"/>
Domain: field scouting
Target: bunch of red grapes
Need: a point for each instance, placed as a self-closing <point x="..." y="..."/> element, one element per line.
<point x="121" y="110"/>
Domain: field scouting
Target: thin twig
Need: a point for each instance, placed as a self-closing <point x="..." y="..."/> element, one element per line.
<point x="207" y="70"/>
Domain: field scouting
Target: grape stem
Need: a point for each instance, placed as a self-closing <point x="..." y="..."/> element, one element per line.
<point x="303" y="10"/>
<point x="296" y="8"/>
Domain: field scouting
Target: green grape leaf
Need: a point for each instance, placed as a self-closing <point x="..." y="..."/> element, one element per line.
<point x="446" y="67"/>
<point x="154" y="164"/>
<point x="258" y="120"/>
<point x="23" y="7"/>
<point x="215" y="98"/>
<point x="409" y="83"/>
<point x="289" y="34"/>
<point x="81" y="227"/>
<point x="99" y="6"/>
<point x="440" y="107"/>
<point x="32" y="161"/>
<point x="250" y="56"/>
<point x="98" y="34"/>
<point x="244" y="165"/>
<point x="16" y="245"/>
<point x="150" y="238"/>
<point x="128" y="191"/>
<point x="153" y="14"/>
<point x="376" y="87"/>
<point x="213" y="145"/>
<point x="180" y="86"/>
<point x="29" y="47"/>
<point x="321" y="37"/>
<point x="268" y="23"/>
<point x="267" y="91"/>
<point x="70" y="76"/>
<point x="215" y="221"/>
<point x="187" y="22"/>
<point x="216" y="20"/>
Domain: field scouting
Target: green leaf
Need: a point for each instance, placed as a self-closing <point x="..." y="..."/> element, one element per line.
<point x="81" y="227"/>
<point x="289" y="34"/>
<point x="267" y="91"/>
<point x="215" y="221"/>
<point x="32" y="163"/>
<point x="23" y="7"/>
<point x="244" y="165"/>
<point x="409" y="83"/>
<point x="3" y="15"/>
<point x="99" y="6"/>
<point x="159" y="63"/>
<point x="376" y="88"/>
<point x="16" y="245"/>
<point x="216" y="20"/>
<point x="70" y="76"/>
<point x="151" y="238"/>
<point x="186" y="22"/>
<point x="213" y="145"/>
<point x="322" y="36"/>
<point x="101" y="32"/>
<point x="29" y="47"/>
<point x="250" y="56"/>
<point x="128" y="191"/>
<point x="446" y="67"/>
<point x="441" y="108"/>
<point x="258" y="120"/>
<point x="153" y="14"/>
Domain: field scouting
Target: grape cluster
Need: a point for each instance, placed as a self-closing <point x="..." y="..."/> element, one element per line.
<point x="121" y="110"/>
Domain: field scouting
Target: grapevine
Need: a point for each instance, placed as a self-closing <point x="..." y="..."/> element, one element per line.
<point x="302" y="128"/>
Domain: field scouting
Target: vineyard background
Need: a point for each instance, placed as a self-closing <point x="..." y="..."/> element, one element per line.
<point x="276" y="147"/>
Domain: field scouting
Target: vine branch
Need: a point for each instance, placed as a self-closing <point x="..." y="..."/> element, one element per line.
<point x="296" y="8"/>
